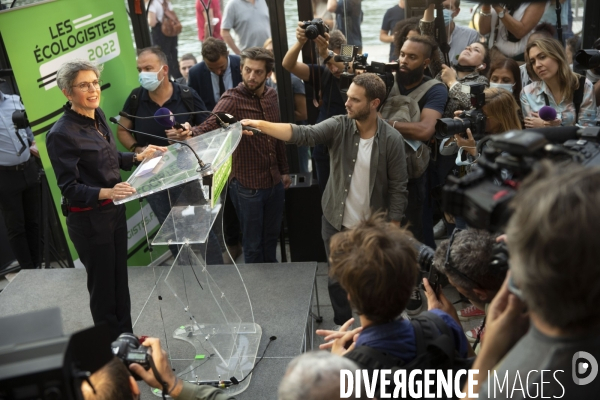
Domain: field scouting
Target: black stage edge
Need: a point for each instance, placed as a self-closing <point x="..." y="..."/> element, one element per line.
<point x="281" y="296"/>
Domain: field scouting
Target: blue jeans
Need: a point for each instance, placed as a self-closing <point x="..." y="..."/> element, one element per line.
<point x="260" y="212"/>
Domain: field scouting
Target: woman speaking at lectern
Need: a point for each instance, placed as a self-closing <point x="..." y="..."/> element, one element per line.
<point x="86" y="163"/>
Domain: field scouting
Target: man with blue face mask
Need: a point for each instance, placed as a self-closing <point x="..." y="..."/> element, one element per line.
<point x="459" y="37"/>
<point x="157" y="91"/>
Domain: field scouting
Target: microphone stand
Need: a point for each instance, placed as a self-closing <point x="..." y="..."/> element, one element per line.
<point x="440" y="32"/>
<point x="558" y="21"/>
<point x="203" y="166"/>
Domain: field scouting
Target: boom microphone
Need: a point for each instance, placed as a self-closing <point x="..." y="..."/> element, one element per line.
<point x="230" y="119"/>
<point x="202" y="165"/>
<point x="559" y="134"/>
<point x="163" y="114"/>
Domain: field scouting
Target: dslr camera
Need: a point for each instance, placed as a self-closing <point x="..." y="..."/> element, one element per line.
<point x="129" y="350"/>
<point x="359" y="62"/>
<point x="473" y="119"/>
<point x="315" y="28"/>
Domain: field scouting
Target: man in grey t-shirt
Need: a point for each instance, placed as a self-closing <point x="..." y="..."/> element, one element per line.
<point x="554" y="275"/>
<point x="250" y="21"/>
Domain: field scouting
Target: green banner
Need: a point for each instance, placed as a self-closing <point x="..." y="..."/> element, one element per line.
<point x="39" y="39"/>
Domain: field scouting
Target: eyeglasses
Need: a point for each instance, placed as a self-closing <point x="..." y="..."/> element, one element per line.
<point x="448" y="262"/>
<point x="89" y="86"/>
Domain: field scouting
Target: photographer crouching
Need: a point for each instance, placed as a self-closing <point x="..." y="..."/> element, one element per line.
<point x="476" y="266"/>
<point x="115" y="382"/>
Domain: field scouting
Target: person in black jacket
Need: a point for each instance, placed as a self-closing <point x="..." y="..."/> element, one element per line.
<point x="216" y="73"/>
<point x="86" y="163"/>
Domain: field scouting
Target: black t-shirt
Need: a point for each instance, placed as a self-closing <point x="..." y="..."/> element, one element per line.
<point x="333" y="101"/>
<point x="147" y="107"/>
<point x="390" y="19"/>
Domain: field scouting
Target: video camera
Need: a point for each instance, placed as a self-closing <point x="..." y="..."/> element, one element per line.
<point x="348" y="54"/>
<point x="482" y="196"/>
<point x="473" y="119"/>
<point x="38" y="362"/>
<point x="588" y="58"/>
<point x="315" y="28"/>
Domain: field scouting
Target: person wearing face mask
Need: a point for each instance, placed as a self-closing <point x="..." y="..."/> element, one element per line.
<point x="87" y="166"/>
<point x="157" y="91"/>
<point x="472" y="65"/>
<point x="459" y="37"/>
<point x="505" y="74"/>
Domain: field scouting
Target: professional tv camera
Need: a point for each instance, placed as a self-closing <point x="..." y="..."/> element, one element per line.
<point x="588" y="58"/>
<point x="348" y="54"/>
<point x="482" y="196"/>
<point x="38" y="362"/>
<point x="473" y="119"/>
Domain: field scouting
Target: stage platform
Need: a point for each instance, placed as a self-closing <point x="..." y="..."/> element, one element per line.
<point x="282" y="297"/>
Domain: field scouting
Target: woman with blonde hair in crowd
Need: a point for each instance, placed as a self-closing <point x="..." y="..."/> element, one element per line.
<point x="502" y="115"/>
<point x="555" y="85"/>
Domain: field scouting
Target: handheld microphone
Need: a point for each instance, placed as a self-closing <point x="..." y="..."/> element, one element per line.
<point x="547" y="113"/>
<point x="163" y="116"/>
<point x="202" y="165"/>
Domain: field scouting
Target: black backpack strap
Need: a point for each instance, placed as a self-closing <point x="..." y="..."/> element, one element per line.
<point x="187" y="97"/>
<point x="578" y="97"/>
<point x="420" y="341"/>
<point x="439" y="338"/>
<point x="134" y="103"/>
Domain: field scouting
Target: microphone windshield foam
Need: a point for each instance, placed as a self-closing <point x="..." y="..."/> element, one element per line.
<point x="164" y="117"/>
<point x="547" y="113"/>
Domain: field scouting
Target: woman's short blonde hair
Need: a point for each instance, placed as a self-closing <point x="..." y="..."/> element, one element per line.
<point x="501" y="104"/>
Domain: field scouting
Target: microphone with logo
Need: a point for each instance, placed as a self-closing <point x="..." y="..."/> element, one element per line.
<point x="165" y="117"/>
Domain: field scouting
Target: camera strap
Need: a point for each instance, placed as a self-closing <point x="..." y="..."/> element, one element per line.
<point x="159" y="378"/>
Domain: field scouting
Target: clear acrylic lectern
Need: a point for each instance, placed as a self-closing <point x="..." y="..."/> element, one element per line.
<point x="210" y="303"/>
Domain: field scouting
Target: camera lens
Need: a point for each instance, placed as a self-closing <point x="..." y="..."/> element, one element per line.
<point x="312" y="32"/>
<point x="446" y="127"/>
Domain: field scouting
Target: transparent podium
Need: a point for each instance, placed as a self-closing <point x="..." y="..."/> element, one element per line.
<point x="205" y="306"/>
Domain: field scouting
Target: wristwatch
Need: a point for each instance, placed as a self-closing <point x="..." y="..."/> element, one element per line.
<point x="501" y="13"/>
<point x="329" y="57"/>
